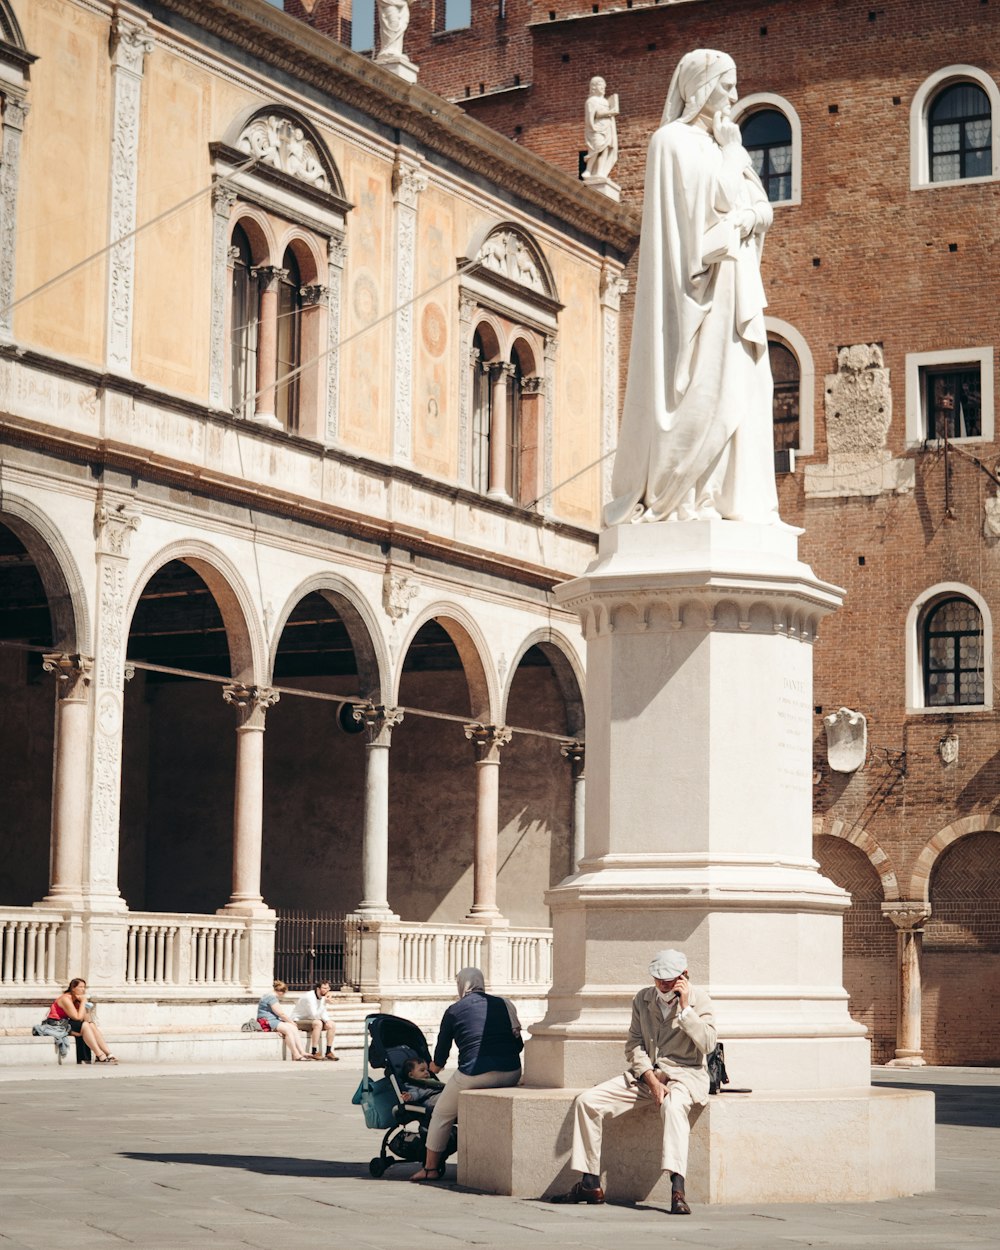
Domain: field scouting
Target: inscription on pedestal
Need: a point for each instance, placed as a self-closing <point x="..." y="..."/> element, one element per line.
<point x="794" y="725"/>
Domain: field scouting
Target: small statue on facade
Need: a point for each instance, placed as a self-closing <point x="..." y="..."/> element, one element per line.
<point x="393" y="19"/>
<point x="600" y="131"/>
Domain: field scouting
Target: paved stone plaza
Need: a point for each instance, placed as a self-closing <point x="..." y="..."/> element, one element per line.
<point x="278" y="1158"/>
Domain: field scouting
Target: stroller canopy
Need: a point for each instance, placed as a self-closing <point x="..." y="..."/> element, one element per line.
<point x="388" y="1034"/>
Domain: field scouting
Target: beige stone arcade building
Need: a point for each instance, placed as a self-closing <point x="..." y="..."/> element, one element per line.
<point x="302" y="372"/>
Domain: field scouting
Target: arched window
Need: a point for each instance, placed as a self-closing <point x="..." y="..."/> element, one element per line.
<point x="952" y="653"/>
<point x="244" y="321"/>
<point x="481" y="397"/>
<point x="787" y="387"/>
<point x="289" y="337"/>
<point x="767" y="136"/>
<point x="959" y="134"/>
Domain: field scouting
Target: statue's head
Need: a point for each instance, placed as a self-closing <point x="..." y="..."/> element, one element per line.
<point x="696" y="77"/>
<point x="598" y="86"/>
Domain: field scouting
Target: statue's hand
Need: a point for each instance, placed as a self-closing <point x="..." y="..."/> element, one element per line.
<point x="746" y="219"/>
<point x="726" y="132"/>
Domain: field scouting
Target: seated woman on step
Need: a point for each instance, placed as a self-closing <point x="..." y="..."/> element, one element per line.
<point x="72" y="1006"/>
<point x="273" y="1018"/>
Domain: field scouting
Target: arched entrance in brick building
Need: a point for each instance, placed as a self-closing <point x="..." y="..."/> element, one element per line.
<point x="179" y="741"/>
<point x="871" y="974"/>
<point x="27" y="696"/>
<point x="961" y="954"/>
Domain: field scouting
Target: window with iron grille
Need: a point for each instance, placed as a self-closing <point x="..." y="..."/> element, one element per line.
<point x="767" y="136"/>
<point x="952" y="654"/>
<point x="959" y="132"/>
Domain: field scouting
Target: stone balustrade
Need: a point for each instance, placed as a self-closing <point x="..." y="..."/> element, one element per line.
<point x="28" y="948"/>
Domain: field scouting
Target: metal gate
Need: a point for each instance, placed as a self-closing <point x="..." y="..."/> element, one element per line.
<point x="311" y="948"/>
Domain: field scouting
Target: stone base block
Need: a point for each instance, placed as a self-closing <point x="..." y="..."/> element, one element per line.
<point x="854" y="1145"/>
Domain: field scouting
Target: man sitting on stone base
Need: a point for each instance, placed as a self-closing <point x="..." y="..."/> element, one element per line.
<point x="671" y="1033"/>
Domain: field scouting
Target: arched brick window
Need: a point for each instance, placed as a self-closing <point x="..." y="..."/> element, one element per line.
<point x="787" y="385"/>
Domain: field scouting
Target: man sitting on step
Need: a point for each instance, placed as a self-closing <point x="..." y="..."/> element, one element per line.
<point x="671" y="1033"/>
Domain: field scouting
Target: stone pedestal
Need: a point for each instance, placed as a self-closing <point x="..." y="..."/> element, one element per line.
<point x="699" y="837"/>
<point x="399" y="64"/>
<point x="606" y="187"/>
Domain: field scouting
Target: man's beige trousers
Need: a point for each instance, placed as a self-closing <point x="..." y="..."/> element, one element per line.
<point x="617" y="1096"/>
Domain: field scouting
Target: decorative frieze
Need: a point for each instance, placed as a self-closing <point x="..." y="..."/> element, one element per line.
<point x="223" y="202"/>
<point x="336" y="259"/>
<point x="548" y="431"/>
<point x="15" y="110"/>
<point x="613" y="287"/>
<point x="407" y="183"/>
<point x="130" y="44"/>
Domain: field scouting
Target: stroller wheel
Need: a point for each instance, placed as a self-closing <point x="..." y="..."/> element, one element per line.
<point x="377" y="1167"/>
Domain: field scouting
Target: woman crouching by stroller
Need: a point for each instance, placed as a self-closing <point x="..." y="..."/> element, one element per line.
<point x="488" y="1035"/>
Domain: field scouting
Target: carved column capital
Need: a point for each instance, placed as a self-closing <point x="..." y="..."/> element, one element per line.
<point x="575" y="752"/>
<point x="268" y="276"/>
<point x="223" y="199"/>
<point x="378" y="720"/>
<point x="315" y="295"/>
<point x="15" y="110"/>
<point x="129" y="44"/>
<point x="613" y="287"/>
<point x="533" y="386"/>
<point x="907" y="916"/>
<point x="336" y="250"/>
<point x="251" y="702"/>
<point x="114" y="525"/>
<point x="72" y="673"/>
<point x="407" y="182"/>
<point x="488" y="741"/>
<point x="467" y="305"/>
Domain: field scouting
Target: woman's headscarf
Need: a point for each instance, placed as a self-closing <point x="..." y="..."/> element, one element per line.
<point x="470" y="979"/>
<point x="692" y="83"/>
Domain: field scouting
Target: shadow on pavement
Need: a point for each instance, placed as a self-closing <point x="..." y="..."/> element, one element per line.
<point x="269" y="1165"/>
<point x="973" y="1106"/>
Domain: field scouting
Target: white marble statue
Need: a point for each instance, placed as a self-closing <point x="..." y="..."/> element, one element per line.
<point x="393" y="19"/>
<point x="600" y="130"/>
<point x="696" y="438"/>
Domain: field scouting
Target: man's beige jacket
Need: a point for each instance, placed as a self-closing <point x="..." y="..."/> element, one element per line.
<point x="674" y="1045"/>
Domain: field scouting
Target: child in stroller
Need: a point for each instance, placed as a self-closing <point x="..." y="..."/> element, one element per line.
<point x="392" y="1043"/>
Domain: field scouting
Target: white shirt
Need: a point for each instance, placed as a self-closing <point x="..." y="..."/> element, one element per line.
<point x="310" y="1007"/>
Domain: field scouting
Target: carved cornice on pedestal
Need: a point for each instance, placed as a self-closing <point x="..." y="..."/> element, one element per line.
<point x="130" y="43"/>
<point x="613" y="287"/>
<point x="408" y="180"/>
<point x="907" y="916"/>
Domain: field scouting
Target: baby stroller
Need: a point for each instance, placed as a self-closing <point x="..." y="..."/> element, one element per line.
<point x="389" y="1042"/>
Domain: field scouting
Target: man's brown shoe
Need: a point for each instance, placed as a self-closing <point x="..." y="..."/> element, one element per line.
<point x="578" y="1194"/>
<point x="678" y="1204"/>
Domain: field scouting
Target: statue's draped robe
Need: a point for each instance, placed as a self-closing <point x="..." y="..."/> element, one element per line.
<point x="696" y="435"/>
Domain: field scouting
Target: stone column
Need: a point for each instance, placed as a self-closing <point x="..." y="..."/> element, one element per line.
<point x="251" y="703"/>
<point x="129" y="46"/>
<point x="909" y="919"/>
<point x="15" y="110"/>
<point x="407" y="183"/>
<point x="379" y="722"/>
<point x="69" y="777"/>
<point x="613" y="287"/>
<point x="488" y="741"/>
<point x="267" y="344"/>
<point x="575" y="752"/>
<point x="499" y="373"/>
